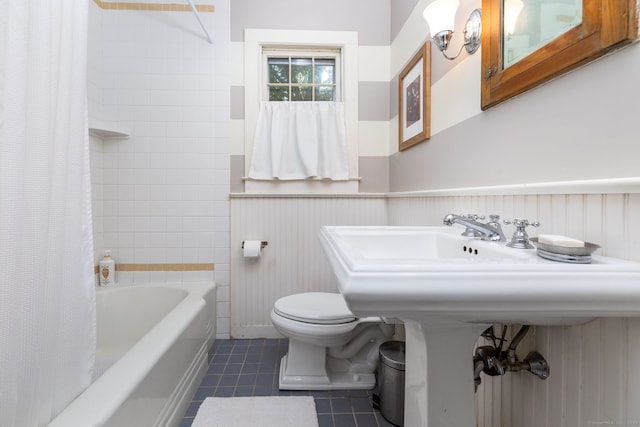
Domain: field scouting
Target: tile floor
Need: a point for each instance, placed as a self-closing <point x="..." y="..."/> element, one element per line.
<point x="250" y="368"/>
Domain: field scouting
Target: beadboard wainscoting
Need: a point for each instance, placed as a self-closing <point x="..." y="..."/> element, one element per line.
<point x="293" y="261"/>
<point x="595" y="373"/>
<point x="595" y="367"/>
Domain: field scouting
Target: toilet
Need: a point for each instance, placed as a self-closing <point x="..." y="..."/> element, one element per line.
<point x="329" y="347"/>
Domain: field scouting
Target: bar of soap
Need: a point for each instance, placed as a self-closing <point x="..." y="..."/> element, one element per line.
<point x="558" y="240"/>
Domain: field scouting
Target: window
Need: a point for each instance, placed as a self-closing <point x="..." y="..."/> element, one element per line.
<point x="258" y="45"/>
<point x="296" y="75"/>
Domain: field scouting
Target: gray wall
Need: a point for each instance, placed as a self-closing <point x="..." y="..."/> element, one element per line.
<point x="583" y="125"/>
<point x="369" y="18"/>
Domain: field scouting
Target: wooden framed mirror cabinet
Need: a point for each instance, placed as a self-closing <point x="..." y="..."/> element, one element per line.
<point x="512" y="63"/>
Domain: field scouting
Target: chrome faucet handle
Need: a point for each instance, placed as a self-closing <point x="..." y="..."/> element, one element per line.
<point x="475" y="217"/>
<point x="522" y="222"/>
<point x="494" y="218"/>
<point x="520" y="238"/>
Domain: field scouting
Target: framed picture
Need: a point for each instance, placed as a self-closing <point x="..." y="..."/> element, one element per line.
<point x="415" y="99"/>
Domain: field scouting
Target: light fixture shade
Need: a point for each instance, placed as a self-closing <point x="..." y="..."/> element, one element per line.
<point x="440" y="15"/>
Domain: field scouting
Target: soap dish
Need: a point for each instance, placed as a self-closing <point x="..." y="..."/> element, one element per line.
<point x="580" y="254"/>
<point x="573" y="259"/>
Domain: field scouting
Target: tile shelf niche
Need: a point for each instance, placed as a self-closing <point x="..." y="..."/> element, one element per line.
<point x="107" y="130"/>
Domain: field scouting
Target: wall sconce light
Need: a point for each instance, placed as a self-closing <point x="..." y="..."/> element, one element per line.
<point x="440" y="15"/>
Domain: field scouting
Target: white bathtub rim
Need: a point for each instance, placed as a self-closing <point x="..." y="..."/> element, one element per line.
<point x="178" y="319"/>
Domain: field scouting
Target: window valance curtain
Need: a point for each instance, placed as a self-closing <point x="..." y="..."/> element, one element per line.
<point x="300" y="140"/>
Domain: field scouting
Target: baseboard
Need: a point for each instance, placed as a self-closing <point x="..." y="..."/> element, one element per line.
<point x="256" y="331"/>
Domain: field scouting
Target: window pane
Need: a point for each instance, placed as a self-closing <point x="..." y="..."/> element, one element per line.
<point x="301" y="93"/>
<point x="278" y="93"/>
<point x="324" y="71"/>
<point x="301" y="70"/>
<point x="325" y="93"/>
<point x="278" y="70"/>
<point x="302" y="77"/>
<point x="278" y="73"/>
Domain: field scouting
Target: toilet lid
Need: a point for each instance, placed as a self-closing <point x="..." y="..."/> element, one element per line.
<point x="314" y="307"/>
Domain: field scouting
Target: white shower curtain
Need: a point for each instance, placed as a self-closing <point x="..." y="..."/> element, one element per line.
<point x="47" y="305"/>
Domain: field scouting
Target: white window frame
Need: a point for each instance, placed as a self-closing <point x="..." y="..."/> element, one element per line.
<point x="347" y="43"/>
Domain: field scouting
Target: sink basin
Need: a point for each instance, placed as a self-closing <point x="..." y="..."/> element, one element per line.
<point x="447" y="289"/>
<point x="436" y="273"/>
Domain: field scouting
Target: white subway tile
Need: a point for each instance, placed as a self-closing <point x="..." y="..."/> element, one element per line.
<point x="174" y="225"/>
<point x="206" y="255"/>
<point x="174" y="276"/>
<point x="110" y="192"/>
<point x="190" y="240"/>
<point x="141" y="224"/>
<point x="173" y="254"/>
<point x="124" y="277"/>
<point x="126" y="160"/>
<point x="189" y="255"/>
<point x="110" y="208"/>
<point x="125" y="240"/>
<point x="157" y="277"/>
<point x="205" y="208"/>
<point x="222" y="327"/>
<point x="141" y="277"/>
<point x="206" y="239"/>
<point x="222" y="293"/>
<point x="126" y="208"/>
<point x="126" y="192"/>
<point x="191" y="224"/>
<point x="157" y="224"/>
<point x="158" y="241"/>
<point x="126" y="224"/>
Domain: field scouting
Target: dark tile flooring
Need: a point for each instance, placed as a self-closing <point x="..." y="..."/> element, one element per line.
<point x="251" y="367"/>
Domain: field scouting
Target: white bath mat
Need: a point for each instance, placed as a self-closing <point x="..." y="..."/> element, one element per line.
<point x="260" y="411"/>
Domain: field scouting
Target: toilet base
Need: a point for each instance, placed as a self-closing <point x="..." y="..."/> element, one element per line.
<point x="333" y="380"/>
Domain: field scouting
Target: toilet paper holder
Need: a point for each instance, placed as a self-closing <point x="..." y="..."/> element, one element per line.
<point x="263" y="243"/>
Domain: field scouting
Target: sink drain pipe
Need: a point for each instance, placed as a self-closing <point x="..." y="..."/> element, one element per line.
<point x="493" y="361"/>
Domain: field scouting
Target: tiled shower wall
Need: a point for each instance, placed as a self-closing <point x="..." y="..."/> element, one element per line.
<point x="161" y="196"/>
<point x="595" y="373"/>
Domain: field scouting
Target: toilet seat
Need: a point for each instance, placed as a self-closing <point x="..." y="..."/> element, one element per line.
<point x="321" y="308"/>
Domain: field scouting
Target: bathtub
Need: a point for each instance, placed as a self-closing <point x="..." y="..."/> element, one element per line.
<point x="151" y="355"/>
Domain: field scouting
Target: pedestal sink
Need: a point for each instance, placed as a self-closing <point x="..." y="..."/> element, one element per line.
<point x="447" y="289"/>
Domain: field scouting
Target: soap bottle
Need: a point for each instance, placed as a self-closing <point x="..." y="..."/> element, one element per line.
<point x="107" y="269"/>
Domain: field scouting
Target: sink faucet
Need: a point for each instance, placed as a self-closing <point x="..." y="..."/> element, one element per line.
<point x="492" y="230"/>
